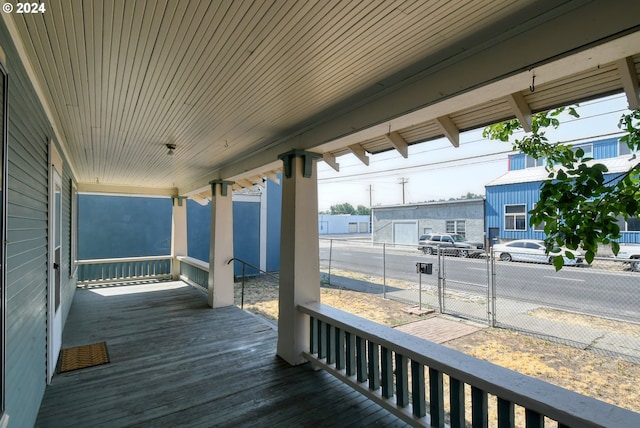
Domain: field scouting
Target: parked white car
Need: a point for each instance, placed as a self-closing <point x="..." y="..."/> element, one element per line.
<point x="630" y="252"/>
<point x="533" y="250"/>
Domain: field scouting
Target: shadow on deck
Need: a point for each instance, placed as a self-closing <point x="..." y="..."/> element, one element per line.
<point x="176" y="362"/>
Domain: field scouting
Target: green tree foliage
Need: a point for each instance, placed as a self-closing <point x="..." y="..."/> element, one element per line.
<point x="362" y="210"/>
<point x="345" y="208"/>
<point x="578" y="204"/>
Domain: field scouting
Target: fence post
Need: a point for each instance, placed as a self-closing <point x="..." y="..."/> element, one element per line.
<point x="419" y="290"/>
<point x="493" y="289"/>
<point x="384" y="270"/>
<point x="440" y="280"/>
<point x="330" y="251"/>
<point x="489" y="304"/>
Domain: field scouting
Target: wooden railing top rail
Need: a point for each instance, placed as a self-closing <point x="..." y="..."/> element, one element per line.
<point x="194" y="262"/>
<point x="566" y="407"/>
<point x="123" y="260"/>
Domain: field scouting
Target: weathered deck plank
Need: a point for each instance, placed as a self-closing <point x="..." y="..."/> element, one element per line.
<point x="177" y="362"/>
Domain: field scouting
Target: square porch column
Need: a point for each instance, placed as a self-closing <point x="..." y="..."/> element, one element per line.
<point x="299" y="253"/>
<point x="220" y="286"/>
<point x="179" y="243"/>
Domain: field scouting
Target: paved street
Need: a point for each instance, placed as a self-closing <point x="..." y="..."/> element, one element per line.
<point x="613" y="294"/>
<point x="522" y="290"/>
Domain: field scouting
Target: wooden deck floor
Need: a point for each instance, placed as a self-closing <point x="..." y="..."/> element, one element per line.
<point x="177" y="362"/>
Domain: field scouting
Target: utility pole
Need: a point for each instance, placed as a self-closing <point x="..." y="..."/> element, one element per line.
<point x="403" y="181"/>
<point x="370" y="210"/>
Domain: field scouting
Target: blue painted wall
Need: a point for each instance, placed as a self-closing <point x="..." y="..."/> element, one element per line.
<point x="246" y="233"/>
<point x="198" y="230"/>
<point x="602" y="149"/>
<point x="274" y="210"/>
<point x="511" y="194"/>
<point x="517" y="161"/>
<point x="246" y="230"/>
<point x="121" y="226"/>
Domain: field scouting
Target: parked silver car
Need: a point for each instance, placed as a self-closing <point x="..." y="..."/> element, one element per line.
<point x="533" y="250"/>
<point x="449" y="243"/>
<point x="630" y="252"/>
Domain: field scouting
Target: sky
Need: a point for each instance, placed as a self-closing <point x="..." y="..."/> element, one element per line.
<point x="436" y="170"/>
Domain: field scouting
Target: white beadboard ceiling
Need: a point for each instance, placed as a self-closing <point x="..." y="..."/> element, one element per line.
<point x="232" y="84"/>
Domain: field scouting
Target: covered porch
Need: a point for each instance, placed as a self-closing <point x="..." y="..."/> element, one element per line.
<point x="173" y="360"/>
<point x="197" y="99"/>
<point x="176" y="362"/>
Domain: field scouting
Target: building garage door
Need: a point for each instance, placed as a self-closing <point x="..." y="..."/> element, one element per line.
<point x="405" y="233"/>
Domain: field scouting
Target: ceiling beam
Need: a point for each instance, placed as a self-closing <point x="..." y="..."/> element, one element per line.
<point x="521" y="109"/>
<point x="244" y="183"/>
<point x="201" y="199"/>
<point x="450" y="88"/>
<point x="627" y="70"/>
<point x="273" y="176"/>
<point x="330" y="160"/>
<point x="398" y="143"/>
<point x="360" y="153"/>
<point x="449" y="129"/>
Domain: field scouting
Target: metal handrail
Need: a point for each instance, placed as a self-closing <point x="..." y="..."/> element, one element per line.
<point x="244" y="266"/>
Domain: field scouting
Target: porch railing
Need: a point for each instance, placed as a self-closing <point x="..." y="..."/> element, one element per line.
<point x="128" y="269"/>
<point x="246" y="264"/>
<point x="194" y="272"/>
<point x="390" y="368"/>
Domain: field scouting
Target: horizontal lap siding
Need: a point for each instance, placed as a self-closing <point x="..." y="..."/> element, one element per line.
<point x="27" y="227"/>
<point x="511" y="194"/>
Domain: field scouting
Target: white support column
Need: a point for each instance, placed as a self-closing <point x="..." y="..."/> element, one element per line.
<point x="299" y="252"/>
<point x="221" y="245"/>
<point x="179" y="242"/>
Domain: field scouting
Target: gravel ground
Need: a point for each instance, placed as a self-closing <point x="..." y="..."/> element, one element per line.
<point x="608" y="379"/>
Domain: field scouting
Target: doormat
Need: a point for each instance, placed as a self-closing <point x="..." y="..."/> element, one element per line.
<point x="81" y="357"/>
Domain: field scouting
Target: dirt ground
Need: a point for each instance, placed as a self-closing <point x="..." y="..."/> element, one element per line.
<point x="608" y="379"/>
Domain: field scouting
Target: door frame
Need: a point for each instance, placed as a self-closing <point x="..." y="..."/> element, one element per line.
<point x="54" y="286"/>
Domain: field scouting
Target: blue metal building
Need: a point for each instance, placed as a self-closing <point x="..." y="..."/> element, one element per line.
<point x="343" y="224"/>
<point x="510" y="197"/>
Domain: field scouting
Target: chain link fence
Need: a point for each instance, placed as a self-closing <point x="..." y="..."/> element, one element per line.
<point x="595" y="307"/>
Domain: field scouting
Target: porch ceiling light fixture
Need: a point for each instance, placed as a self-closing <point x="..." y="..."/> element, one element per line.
<point x="171" y="148"/>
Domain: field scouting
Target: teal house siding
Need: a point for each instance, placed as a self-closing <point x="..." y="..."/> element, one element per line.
<point x="27" y="237"/>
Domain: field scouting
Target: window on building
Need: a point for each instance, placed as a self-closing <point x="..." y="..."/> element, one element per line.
<point x="515" y="217"/>
<point x="533" y="162"/>
<point x="586" y="148"/>
<point x="631" y="225"/>
<point x="456" y="226"/>
<point x="623" y="149"/>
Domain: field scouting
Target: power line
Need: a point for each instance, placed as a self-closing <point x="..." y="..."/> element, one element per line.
<point x="569" y="120"/>
<point x="426" y="166"/>
<point x="437" y="165"/>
